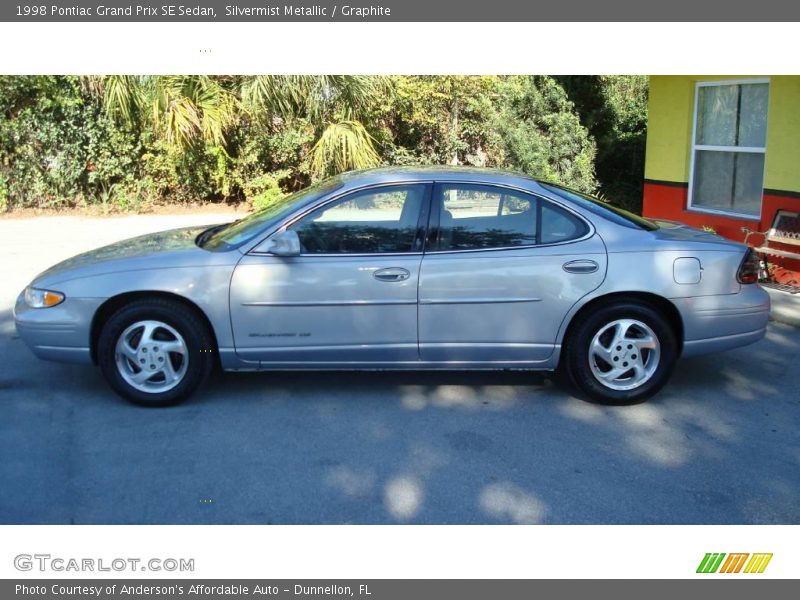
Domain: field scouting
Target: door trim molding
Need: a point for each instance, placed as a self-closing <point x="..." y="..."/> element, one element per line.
<point x="332" y="303"/>
<point x="429" y="301"/>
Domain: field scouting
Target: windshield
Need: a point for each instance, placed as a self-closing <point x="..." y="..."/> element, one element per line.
<point x="603" y="209"/>
<point x="237" y="233"/>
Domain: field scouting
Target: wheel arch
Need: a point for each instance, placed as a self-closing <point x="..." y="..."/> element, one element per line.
<point x="660" y="303"/>
<point x="114" y="303"/>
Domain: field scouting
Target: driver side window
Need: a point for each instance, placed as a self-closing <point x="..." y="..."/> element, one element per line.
<point x="374" y="221"/>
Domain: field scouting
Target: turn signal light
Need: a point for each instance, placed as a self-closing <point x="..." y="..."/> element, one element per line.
<point x="36" y="298"/>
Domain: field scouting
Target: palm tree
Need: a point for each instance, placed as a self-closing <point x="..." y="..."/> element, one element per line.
<point x="336" y="107"/>
<point x="182" y="108"/>
<point x="185" y="109"/>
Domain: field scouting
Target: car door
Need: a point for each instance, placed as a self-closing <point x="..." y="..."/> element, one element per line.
<point x="502" y="269"/>
<point x="349" y="297"/>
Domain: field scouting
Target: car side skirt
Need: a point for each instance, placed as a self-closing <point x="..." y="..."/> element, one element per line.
<point x="230" y="361"/>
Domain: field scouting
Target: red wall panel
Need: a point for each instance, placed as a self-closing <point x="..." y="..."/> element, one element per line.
<point x="669" y="201"/>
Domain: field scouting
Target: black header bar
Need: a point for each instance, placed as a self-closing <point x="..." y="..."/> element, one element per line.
<point x="401" y="11"/>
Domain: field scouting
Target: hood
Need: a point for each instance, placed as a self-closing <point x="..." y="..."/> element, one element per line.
<point x="175" y="247"/>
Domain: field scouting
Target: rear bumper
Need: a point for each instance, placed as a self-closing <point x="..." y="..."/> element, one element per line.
<point x="716" y="323"/>
<point x="718" y="344"/>
<point x="60" y="333"/>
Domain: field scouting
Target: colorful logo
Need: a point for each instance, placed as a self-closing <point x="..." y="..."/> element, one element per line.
<point x="713" y="562"/>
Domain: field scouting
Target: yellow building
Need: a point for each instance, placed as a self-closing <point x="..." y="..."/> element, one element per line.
<point x="723" y="151"/>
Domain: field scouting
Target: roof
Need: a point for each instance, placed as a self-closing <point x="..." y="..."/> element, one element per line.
<point x="423" y="173"/>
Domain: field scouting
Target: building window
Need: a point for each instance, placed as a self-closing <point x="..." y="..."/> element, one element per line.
<point x="728" y="147"/>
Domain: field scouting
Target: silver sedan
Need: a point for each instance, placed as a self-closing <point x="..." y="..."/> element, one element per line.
<point x="424" y="268"/>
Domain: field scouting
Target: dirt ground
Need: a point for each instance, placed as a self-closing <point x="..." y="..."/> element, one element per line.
<point x="97" y="211"/>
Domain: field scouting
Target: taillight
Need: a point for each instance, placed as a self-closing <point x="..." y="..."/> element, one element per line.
<point x="749" y="269"/>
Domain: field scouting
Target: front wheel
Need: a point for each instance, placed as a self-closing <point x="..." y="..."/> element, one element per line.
<point x="621" y="353"/>
<point x="155" y="352"/>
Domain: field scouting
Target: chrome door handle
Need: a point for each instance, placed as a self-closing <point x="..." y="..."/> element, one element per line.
<point x="580" y="266"/>
<point x="391" y="274"/>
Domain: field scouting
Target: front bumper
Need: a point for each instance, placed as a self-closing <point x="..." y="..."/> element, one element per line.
<point x="60" y="333"/>
<point x="716" y="323"/>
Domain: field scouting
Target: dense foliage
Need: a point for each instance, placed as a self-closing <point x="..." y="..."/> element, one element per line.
<point x="614" y="110"/>
<point x="126" y="142"/>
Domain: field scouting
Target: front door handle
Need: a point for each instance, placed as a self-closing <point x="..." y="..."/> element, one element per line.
<point x="580" y="266"/>
<point x="391" y="274"/>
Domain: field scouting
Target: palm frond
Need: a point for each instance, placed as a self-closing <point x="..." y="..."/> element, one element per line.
<point x="343" y="146"/>
<point x="280" y="95"/>
<point x="216" y="107"/>
<point x="187" y="108"/>
<point x="318" y="98"/>
<point x="123" y="97"/>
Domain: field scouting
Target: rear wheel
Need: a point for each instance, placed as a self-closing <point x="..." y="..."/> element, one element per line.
<point x="621" y="353"/>
<point x="155" y="352"/>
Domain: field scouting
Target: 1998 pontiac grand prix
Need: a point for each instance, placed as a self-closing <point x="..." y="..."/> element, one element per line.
<point x="423" y="268"/>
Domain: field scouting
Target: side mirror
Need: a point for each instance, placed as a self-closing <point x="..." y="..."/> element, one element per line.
<point x="283" y="243"/>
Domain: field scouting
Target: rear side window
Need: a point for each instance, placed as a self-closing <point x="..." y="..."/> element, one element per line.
<point x="559" y="225"/>
<point x="603" y="209"/>
<point x="476" y="217"/>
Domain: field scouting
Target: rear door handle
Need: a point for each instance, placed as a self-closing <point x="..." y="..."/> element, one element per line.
<point x="580" y="266"/>
<point x="391" y="274"/>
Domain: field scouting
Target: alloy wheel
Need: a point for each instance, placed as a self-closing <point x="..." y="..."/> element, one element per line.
<point x="151" y="356"/>
<point x="624" y="354"/>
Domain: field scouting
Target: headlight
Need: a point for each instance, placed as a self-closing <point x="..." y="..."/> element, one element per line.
<point x="36" y="298"/>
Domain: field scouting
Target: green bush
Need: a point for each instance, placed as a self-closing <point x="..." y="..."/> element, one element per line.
<point x="63" y="144"/>
<point x="441" y="119"/>
<point x="614" y="110"/>
<point x="542" y="134"/>
<point x="57" y="148"/>
<point x="3" y="195"/>
<point x="265" y="190"/>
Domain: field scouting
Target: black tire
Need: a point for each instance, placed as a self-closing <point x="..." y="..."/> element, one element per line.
<point x="575" y="365"/>
<point x="198" y="341"/>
